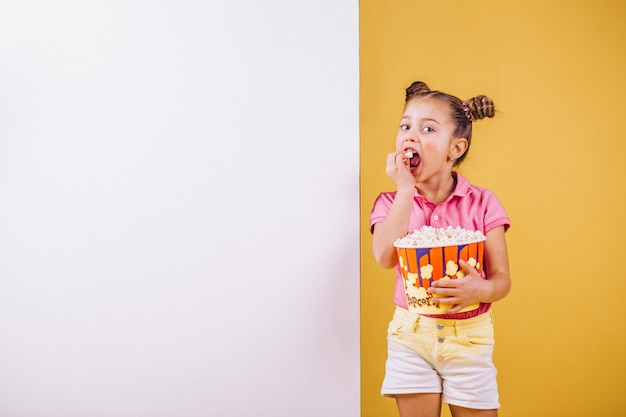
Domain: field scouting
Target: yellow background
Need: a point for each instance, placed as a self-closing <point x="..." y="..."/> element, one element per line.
<point x="553" y="155"/>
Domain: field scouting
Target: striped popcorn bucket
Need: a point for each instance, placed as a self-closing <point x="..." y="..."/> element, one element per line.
<point x="422" y="266"/>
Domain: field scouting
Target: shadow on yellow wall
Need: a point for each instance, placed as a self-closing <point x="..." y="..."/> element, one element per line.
<point x="553" y="154"/>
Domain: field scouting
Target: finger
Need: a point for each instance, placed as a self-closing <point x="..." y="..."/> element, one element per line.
<point x="395" y="159"/>
<point x="466" y="265"/>
<point x="454" y="304"/>
<point x="400" y="159"/>
<point x="453" y="310"/>
<point x="444" y="292"/>
<point x="447" y="300"/>
<point x="445" y="283"/>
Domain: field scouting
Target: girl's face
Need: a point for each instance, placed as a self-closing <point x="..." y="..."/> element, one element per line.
<point x="426" y="129"/>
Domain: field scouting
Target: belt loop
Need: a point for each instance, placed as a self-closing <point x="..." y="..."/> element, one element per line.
<point x="417" y="320"/>
<point x="458" y="329"/>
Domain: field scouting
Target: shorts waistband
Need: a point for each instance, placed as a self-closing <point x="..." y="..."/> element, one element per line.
<point x="413" y="318"/>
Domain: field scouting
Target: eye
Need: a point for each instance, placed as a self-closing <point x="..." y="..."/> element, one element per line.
<point x="404" y="127"/>
<point x="427" y="129"/>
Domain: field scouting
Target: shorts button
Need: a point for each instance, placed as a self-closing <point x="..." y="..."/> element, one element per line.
<point x="440" y="339"/>
<point x="440" y="326"/>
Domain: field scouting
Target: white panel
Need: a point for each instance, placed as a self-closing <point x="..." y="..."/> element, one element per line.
<point x="179" y="208"/>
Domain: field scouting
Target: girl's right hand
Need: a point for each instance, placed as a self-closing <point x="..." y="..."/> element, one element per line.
<point x="399" y="171"/>
<point x="396" y="223"/>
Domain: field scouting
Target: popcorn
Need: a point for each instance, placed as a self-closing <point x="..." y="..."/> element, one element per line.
<point x="409" y="154"/>
<point x="429" y="236"/>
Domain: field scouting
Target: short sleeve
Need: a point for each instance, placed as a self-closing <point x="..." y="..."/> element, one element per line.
<point x="381" y="208"/>
<point x="495" y="215"/>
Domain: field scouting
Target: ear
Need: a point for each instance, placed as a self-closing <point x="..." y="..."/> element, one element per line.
<point x="458" y="148"/>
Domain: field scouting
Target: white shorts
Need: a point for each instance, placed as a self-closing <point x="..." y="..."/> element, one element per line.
<point x="451" y="357"/>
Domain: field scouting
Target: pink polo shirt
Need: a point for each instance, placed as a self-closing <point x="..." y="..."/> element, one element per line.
<point x="469" y="207"/>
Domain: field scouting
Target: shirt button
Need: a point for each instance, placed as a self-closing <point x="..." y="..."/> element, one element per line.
<point x="436" y="217"/>
<point x="440" y="326"/>
<point x="440" y="339"/>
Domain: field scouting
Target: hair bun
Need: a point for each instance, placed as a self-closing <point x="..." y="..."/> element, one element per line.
<point x="418" y="88"/>
<point x="481" y="107"/>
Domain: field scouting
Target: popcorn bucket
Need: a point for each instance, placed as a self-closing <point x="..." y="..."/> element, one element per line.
<point x="421" y="266"/>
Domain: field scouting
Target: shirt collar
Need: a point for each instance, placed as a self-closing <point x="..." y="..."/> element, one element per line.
<point x="462" y="185"/>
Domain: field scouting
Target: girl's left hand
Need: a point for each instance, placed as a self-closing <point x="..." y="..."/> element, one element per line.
<point x="462" y="292"/>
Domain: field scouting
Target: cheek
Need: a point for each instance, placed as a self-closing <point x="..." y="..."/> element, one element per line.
<point x="429" y="147"/>
<point x="433" y="148"/>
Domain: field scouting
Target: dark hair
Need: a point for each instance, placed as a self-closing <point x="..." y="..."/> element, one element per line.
<point x="462" y="112"/>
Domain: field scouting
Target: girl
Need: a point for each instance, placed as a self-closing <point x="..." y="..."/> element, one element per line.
<point x="448" y="356"/>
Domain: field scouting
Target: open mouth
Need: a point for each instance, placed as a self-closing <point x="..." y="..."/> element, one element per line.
<point x="413" y="157"/>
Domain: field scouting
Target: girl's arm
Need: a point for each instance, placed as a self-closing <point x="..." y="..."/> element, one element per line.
<point x="396" y="223"/>
<point x="394" y="227"/>
<point x="472" y="288"/>
<point x="497" y="263"/>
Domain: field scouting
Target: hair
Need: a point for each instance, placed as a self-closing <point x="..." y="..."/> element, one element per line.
<point x="463" y="113"/>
